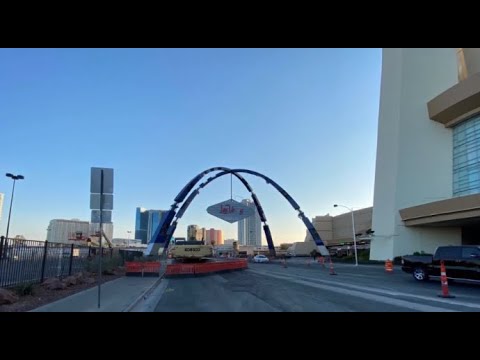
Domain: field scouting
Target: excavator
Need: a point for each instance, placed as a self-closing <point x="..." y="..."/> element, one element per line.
<point x="190" y="251"/>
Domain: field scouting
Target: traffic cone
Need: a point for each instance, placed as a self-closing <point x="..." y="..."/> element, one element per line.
<point x="321" y="260"/>
<point x="389" y="266"/>
<point x="444" y="281"/>
<point x="332" y="271"/>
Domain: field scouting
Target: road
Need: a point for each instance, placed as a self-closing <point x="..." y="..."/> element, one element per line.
<point x="302" y="287"/>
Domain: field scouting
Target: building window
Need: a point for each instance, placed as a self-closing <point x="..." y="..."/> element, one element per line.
<point x="466" y="157"/>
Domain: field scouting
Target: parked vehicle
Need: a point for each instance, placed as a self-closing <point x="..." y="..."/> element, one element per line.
<point x="260" y="259"/>
<point x="461" y="263"/>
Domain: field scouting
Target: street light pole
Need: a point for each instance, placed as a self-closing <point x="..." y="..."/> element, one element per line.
<point x="128" y="238"/>
<point x="354" y="238"/>
<point x="353" y="229"/>
<point x="15" y="178"/>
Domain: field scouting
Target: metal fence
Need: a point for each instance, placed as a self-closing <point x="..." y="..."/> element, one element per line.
<point x="29" y="261"/>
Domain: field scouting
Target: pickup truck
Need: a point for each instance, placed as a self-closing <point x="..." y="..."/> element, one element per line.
<point x="461" y="263"/>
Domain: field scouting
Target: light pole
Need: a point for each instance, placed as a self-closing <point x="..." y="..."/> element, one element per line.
<point x="15" y="178"/>
<point x="128" y="238"/>
<point x="353" y="229"/>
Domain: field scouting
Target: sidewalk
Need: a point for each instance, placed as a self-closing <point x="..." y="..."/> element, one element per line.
<point x="116" y="296"/>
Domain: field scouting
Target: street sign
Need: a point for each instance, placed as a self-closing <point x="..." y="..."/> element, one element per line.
<point x="231" y="211"/>
<point x="106" y="216"/>
<point x="95" y="180"/>
<point x="107" y="201"/>
<point x="101" y="183"/>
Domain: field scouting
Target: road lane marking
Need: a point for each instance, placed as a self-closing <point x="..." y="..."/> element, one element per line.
<point x="366" y="296"/>
<point x="379" y="290"/>
<point x="388" y="292"/>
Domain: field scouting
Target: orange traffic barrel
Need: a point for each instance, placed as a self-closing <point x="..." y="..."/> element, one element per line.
<point x="389" y="266"/>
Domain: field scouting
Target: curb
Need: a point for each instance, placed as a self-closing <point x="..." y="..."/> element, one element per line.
<point x="144" y="294"/>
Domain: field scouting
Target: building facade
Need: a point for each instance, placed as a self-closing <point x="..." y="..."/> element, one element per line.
<point x="427" y="177"/>
<point x="106" y="227"/>
<point x="154" y="218"/>
<point x="250" y="229"/>
<point x="141" y="224"/>
<point x="338" y="230"/>
<point x="195" y="233"/>
<point x="68" y="231"/>
<point x="229" y="241"/>
<point x="213" y="236"/>
<point x="125" y="242"/>
<point x="146" y="223"/>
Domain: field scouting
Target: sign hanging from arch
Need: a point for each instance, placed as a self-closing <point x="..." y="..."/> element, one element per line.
<point x="231" y="211"/>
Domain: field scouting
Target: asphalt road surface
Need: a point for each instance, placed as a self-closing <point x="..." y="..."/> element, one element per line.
<point x="302" y="287"/>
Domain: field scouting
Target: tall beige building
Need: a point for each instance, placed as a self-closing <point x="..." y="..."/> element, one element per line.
<point x="194" y="233"/>
<point x="427" y="179"/>
<point x="335" y="230"/>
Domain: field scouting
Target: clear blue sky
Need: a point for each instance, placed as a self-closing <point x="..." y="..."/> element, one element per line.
<point x="307" y="118"/>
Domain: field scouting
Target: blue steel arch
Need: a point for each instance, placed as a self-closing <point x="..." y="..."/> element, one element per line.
<point x="263" y="218"/>
<point x="166" y="228"/>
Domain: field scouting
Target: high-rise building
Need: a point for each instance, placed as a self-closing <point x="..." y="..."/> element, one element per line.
<point x="218" y="237"/>
<point x="146" y="223"/>
<point x="194" y="232"/>
<point x="213" y="236"/>
<point x="250" y="229"/>
<point x="427" y="177"/>
<point x="141" y="224"/>
<point x="1" y="204"/>
<point x="154" y="218"/>
<point x="67" y="231"/>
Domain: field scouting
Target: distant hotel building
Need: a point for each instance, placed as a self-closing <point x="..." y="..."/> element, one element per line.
<point x="195" y="233"/>
<point x="250" y="229"/>
<point x="229" y="241"/>
<point x="337" y="230"/>
<point x="65" y="231"/>
<point x="146" y="223"/>
<point x="213" y="236"/>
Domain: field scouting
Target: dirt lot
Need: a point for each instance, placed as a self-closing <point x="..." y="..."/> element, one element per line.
<point x="42" y="295"/>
